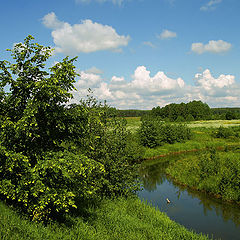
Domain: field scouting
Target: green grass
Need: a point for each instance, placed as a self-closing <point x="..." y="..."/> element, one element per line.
<point x="133" y="123"/>
<point x="114" y="219"/>
<point x="214" y="123"/>
<point x="217" y="173"/>
<point x="202" y="137"/>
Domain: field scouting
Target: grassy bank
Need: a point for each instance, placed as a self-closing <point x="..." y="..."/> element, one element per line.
<point x="117" y="219"/>
<point x="217" y="173"/>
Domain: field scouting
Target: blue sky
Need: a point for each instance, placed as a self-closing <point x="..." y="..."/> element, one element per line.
<point x="137" y="53"/>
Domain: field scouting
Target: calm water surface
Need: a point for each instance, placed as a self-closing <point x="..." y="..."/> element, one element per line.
<point x="192" y="209"/>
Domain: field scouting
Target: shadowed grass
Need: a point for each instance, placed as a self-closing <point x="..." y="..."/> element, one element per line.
<point x="114" y="219"/>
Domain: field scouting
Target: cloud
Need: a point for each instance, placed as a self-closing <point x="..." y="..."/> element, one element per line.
<point x="150" y="44"/>
<point x="209" y="83"/>
<point x="117" y="79"/>
<point x="211" y="5"/>
<point x="85" y="37"/>
<point x="118" y="2"/>
<point x="212" y="46"/>
<point x="88" y="80"/>
<point x="158" y="83"/>
<point x="167" y="34"/>
<point x="144" y="90"/>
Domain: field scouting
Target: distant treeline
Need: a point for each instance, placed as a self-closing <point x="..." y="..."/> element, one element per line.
<point x="194" y="110"/>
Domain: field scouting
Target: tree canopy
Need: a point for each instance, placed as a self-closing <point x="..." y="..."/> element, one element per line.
<point x="54" y="156"/>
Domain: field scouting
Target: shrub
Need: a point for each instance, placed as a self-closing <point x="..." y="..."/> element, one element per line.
<point x="154" y="132"/>
<point x="52" y="186"/>
<point x="148" y="132"/>
<point x="223" y="132"/>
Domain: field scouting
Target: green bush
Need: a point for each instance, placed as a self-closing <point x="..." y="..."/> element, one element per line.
<point x="52" y="186"/>
<point x="227" y="132"/>
<point x="154" y="132"/>
<point x="148" y="132"/>
<point x="54" y="155"/>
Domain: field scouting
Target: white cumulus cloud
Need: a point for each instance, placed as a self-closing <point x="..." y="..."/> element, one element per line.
<point x="159" y="82"/>
<point x="85" y="37"/>
<point x="212" y="46"/>
<point x="117" y="79"/>
<point x="144" y="90"/>
<point x="208" y="82"/>
<point x="88" y="80"/>
<point x="167" y="34"/>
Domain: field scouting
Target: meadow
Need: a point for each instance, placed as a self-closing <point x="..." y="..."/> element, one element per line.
<point x="202" y="137"/>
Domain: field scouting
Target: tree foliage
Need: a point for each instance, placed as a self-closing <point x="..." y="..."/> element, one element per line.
<point x="195" y="110"/>
<point x="154" y="132"/>
<point x="55" y="155"/>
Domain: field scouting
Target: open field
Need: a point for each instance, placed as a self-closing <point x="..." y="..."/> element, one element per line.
<point x="202" y="137"/>
<point x="215" y="123"/>
<point x="133" y="123"/>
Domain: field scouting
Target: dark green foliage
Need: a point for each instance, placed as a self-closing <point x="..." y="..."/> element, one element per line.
<point x="231" y="115"/>
<point x="225" y="113"/>
<point x="211" y="171"/>
<point x="195" y="110"/>
<point x="223" y="132"/>
<point x="154" y="132"/>
<point x="189" y="118"/>
<point x="180" y="119"/>
<point x="54" y="156"/>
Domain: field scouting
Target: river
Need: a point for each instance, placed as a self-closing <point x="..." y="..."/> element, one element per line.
<point x="195" y="210"/>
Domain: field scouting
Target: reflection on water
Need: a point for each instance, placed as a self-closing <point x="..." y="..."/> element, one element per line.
<point x="193" y="209"/>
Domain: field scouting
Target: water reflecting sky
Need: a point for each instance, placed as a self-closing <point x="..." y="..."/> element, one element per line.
<point x="193" y="209"/>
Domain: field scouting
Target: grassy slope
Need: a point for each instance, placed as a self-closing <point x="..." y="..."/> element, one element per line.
<point x="218" y="175"/>
<point x="118" y="219"/>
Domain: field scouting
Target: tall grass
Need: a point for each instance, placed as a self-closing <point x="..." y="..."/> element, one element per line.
<point x="201" y="138"/>
<point x="115" y="219"/>
<point x="211" y="171"/>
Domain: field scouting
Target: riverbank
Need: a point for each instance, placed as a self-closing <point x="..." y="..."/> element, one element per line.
<point x="114" y="219"/>
<point x="194" y="209"/>
<point x="215" y="172"/>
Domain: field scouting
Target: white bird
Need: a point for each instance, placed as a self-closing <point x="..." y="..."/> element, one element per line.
<point x="168" y="201"/>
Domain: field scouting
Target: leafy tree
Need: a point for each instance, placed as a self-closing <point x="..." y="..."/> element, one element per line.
<point x="33" y="108"/>
<point x="55" y="155"/>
